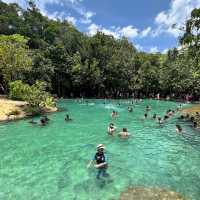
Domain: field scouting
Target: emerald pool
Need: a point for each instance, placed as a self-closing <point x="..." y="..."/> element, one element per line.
<point x="49" y="163"/>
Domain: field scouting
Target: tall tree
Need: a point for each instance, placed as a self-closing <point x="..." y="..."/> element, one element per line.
<point x="14" y="57"/>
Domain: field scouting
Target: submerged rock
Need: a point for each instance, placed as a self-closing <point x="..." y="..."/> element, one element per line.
<point x="141" y="193"/>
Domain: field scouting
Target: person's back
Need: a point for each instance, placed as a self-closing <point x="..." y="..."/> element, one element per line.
<point x="124" y="134"/>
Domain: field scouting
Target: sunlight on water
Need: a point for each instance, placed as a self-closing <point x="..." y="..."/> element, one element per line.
<point x="50" y="162"/>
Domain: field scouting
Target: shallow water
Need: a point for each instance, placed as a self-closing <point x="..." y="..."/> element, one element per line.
<point x="50" y="162"/>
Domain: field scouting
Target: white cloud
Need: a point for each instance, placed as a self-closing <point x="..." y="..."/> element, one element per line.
<point x="85" y="21"/>
<point x="88" y="14"/>
<point x="93" y="29"/>
<point x="87" y="17"/>
<point x="165" y="51"/>
<point x="139" y="47"/>
<point x="76" y="5"/>
<point x="177" y="14"/>
<point x="145" y="32"/>
<point x="22" y="3"/>
<point x="129" y="31"/>
<point x="71" y="19"/>
<point x="62" y="16"/>
<point x="117" y="32"/>
<point x="153" y="50"/>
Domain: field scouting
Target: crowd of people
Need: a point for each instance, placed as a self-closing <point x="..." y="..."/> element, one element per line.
<point x="99" y="160"/>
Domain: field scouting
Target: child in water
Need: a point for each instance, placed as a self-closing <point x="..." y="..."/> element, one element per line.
<point x="178" y="128"/>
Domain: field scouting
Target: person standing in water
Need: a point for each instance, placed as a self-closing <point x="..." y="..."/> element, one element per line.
<point x="100" y="162"/>
<point x="111" y="129"/>
<point x="148" y="108"/>
<point x="114" y="114"/>
<point x="124" y="134"/>
<point x="130" y="109"/>
<point x="178" y="128"/>
<point x="67" y="118"/>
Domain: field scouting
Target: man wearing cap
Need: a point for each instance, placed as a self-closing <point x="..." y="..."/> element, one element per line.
<point x="100" y="160"/>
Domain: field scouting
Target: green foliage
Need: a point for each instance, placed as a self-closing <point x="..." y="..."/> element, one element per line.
<point x="14" y="57"/>
<point x="66" y="61"/>
<point x="35" y="95"/>
<point x="19" y="90"/>
<point x="30" y="110"/>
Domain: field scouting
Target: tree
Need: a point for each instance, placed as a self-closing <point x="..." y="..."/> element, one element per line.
<point x="35" y="95"/>
<point x="14" y="57"/>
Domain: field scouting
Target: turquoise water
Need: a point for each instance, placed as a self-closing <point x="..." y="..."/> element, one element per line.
<point x="49" y="163"/>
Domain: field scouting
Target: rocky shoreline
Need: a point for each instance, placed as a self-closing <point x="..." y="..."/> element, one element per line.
<point x="192" y="114"/>
<point x="14" y="110"/>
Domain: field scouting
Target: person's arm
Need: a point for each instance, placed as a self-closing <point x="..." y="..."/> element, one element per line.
<point x="102" y="164"/>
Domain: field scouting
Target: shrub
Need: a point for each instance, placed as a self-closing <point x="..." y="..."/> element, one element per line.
<point x="19" y="90"/>
<point x="35" y="95"/>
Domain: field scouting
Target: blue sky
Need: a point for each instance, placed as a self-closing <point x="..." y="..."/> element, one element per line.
<point x="146" y="23"/>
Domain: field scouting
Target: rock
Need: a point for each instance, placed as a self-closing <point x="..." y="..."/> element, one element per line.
<point x="141" y="193"/>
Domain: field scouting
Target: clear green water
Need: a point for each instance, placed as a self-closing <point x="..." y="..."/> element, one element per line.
<point x="50" y="162"/>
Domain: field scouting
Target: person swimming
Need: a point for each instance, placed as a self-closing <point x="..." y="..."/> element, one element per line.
<point x="124" y="134"/>
<point x="178" y="128"/>
<point x="154" y="116"/>
<point x="114" y="114"/>
<point x="46" y="118"/>
<point x="145" y="116"/>
<point x="148" y="108"/>
<point x="100" y="162"/>
<point x="195" y="124"/>
<point x="67" y="118"/>
<point x="165" y="117"/>
<point x="160" y="121"/>
<point x="130" y="109"/>
<point x="43" y="121"/>
<point x="111" y="129"/>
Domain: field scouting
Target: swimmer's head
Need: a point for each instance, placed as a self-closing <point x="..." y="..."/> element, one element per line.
<point x="124" y="129"/>
<point x="100" y="147"/>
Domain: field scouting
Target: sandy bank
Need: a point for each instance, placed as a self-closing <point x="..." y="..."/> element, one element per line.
<point x="192" y="110"/>
<point x="12" y="110"/>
